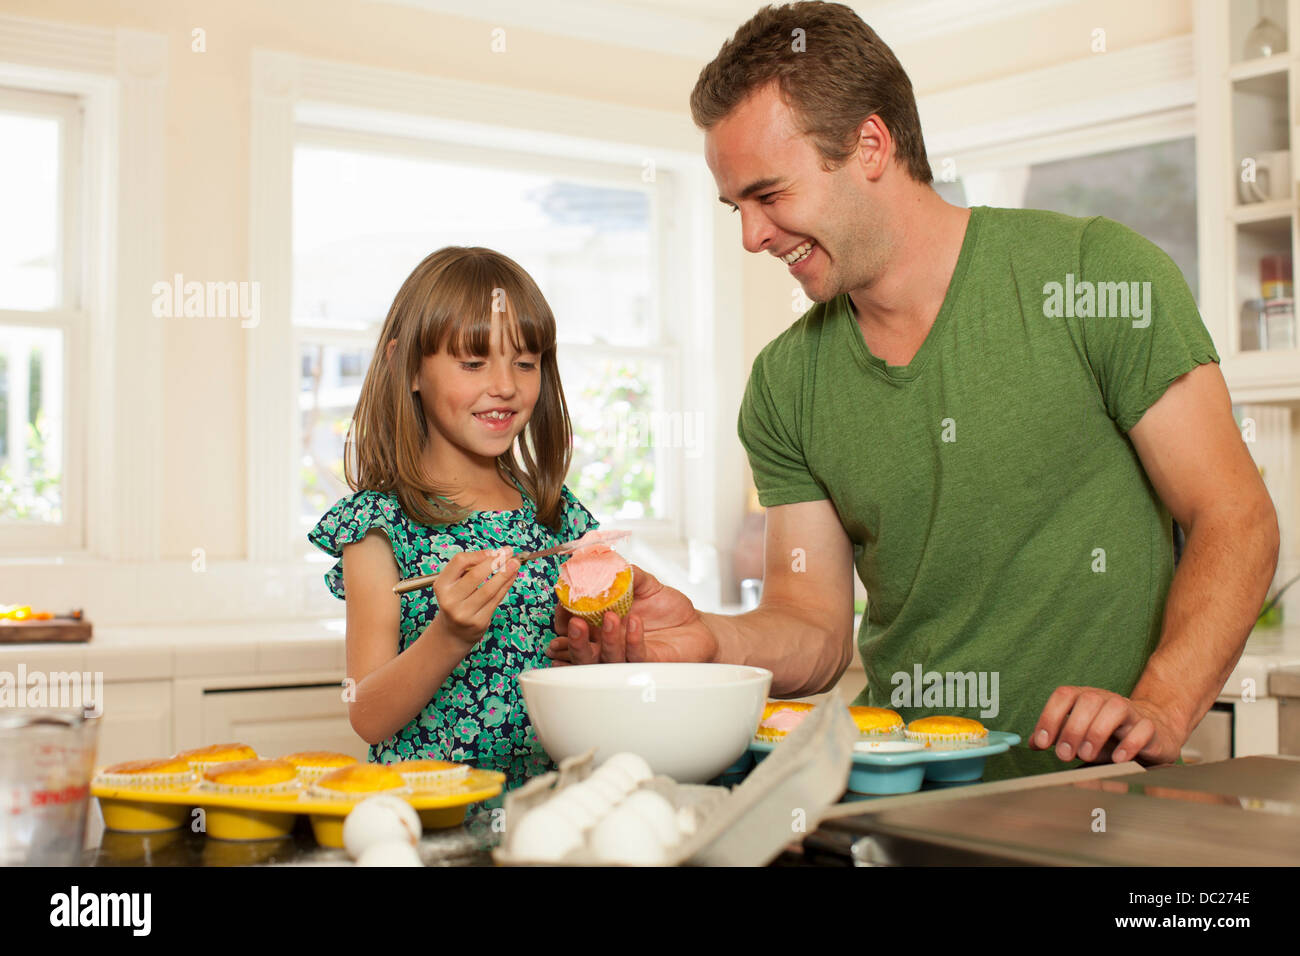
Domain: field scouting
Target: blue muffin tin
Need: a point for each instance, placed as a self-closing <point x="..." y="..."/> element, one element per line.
<point x="904" y="772"/>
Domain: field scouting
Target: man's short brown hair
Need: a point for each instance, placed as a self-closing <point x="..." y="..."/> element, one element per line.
<point x="833" y="74"/>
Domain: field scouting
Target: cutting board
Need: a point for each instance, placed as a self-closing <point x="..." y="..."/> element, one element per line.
<point x="60" y="629"/>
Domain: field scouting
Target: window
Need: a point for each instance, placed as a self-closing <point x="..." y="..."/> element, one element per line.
<point x="41" y="325"/>
<point x="1149" y="188"/>
<point x="368" y="208"/>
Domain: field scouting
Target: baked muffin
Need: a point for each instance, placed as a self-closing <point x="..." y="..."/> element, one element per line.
<point x="944" y="731"/>
<point x="357" y="782"/>
<point x="780" y="717"/>
<point x="169" y="773"/>
<point x="242" y="777"/>
<point x="312" y="764"/>
<point x="594" y="580"/>
<point x="427" y="774"/>
<point x="201" y="758"/>
<point x="873" y="722"/>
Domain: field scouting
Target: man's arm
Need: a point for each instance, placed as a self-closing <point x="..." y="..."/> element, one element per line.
<point x="1194" y="456"/>
<point x="802" y="631"/>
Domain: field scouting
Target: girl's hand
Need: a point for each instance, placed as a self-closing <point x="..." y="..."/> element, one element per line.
<point x="468" y="594"/>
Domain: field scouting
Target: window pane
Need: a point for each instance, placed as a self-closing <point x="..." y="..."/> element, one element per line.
<point x="362" y="222"/>
<point x="1151" y="189"/>
<point x="328" y="391"/>
<point x="621" y="433"/>
<point x="31" y="424"/>
<point x="29" y="212"/>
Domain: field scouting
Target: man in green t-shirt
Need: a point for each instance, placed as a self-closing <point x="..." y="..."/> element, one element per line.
<point x="990" y="413"/>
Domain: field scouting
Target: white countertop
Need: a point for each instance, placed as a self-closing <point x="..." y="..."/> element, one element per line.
<point x="166" y="651"/>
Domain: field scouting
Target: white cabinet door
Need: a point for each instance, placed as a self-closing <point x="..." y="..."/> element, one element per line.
<point x="278" y="720"/>
<point x="136" y="723"/>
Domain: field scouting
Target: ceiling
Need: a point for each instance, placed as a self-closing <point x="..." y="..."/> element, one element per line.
<point x="696" y="28"/>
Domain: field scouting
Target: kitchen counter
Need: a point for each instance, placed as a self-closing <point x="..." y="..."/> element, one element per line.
<point x="166" y="651"/>
<point x="1239" y="812"/>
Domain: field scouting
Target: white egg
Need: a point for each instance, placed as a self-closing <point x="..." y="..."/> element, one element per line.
<point x="686" y="821"/>
<point x="607" y="788"/>
<point x="392" y="853"/>
<point x="592" y="798"/>
<point x="572" y="810"/>
<point x="625" y="836"/>
<point x="543" y="835"/>
<point x="632" y="764"/>
<point x="616" y="776"/>
<point x="380" y="819"/>
<point x="658" y="812"/>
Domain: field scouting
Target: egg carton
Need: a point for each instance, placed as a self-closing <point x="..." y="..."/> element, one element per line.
<point x="781" y="800"/>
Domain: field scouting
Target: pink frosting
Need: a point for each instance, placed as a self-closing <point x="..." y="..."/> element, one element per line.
<point x="590" y="572"/>
<point x="785" y="719"/>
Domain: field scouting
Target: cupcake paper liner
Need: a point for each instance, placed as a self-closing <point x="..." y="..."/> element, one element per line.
<point x="433" y="779"/>
<point x="619" y="607"/>
<point x="322" y="793"/>
<point x="930" y="739"/>
<point x="239" y="790"/>
<point x="146" y="781"/>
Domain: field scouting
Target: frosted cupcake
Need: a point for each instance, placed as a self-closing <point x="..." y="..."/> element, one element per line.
<point x="781" y="717"/>
<point x="945" y="731"/>
<point x="169" y="773"/>
<point x="312" y="764"/>
<point x="875" y="722"/>
<point x="594" y="580"/>
<point x="248" y="777"/>
<point x="430" y="774"/>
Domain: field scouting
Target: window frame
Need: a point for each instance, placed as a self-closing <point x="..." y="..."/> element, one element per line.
<point x="667" y="347"/>
<point x="69" y="317"/>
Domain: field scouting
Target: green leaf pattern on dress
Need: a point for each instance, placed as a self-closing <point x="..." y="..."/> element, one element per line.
<point x="478" y="715"/>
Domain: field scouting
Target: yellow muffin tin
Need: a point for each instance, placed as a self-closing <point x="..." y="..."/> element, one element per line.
<point x="272" y="816"/>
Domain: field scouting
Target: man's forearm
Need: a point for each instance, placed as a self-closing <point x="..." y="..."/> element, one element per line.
<point x="1213" y="603"/>
<point x="805" y="654"/>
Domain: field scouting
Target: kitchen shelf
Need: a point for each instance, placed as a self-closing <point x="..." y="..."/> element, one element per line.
<point x="1256" y="212"/>
<point x="1249" y="69"/>
<point x="1247" y="123"/>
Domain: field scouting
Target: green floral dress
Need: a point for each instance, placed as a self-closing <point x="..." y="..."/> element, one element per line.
<point x="478" y="715"/>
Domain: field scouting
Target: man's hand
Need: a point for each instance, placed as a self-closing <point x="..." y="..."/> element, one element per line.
<point x="1098" y="725"/>
<point x="662" y="625"/>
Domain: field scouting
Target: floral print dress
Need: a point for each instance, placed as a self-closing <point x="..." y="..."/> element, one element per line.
<point x="478" y="715"/>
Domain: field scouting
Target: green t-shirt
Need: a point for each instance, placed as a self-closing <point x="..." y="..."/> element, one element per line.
<point x="1001" y="518"/>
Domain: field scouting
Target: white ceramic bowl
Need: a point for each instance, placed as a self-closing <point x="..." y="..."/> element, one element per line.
<point x="689" y="721"/>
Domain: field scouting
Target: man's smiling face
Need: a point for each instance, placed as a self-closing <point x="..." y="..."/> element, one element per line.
<point x="817" y="222"/>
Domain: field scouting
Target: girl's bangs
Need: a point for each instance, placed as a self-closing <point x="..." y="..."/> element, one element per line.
<point x="459" y="316"/>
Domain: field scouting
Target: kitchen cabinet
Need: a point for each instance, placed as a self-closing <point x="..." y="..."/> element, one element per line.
<point x="137" y="721"/>
<point x="274" y="685"/>
<point x="1248" y="71"/>
<point x="272" y="720"/>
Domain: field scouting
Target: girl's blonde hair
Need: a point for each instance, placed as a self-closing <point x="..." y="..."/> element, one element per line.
<point x="448" y="303"/>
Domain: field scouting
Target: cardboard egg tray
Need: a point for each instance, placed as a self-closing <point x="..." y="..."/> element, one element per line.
<point x="272" y="816"/>
<point x="782" y="799"/>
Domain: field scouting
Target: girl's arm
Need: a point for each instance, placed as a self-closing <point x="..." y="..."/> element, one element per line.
<point x="391" y="688"/>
